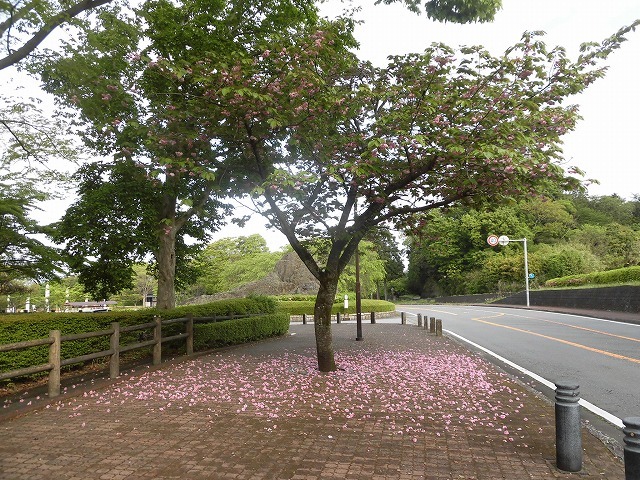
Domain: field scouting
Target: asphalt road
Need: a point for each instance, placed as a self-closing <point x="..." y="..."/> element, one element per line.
<point x="602" y="356"/>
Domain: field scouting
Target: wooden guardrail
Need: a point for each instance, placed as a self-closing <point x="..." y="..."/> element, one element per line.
<point x="55" y="340"/>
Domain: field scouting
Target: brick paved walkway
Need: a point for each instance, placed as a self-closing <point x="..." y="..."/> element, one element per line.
<point x="403" y="406"/>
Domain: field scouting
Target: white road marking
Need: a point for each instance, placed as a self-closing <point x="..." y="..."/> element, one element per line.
<point x="588" y="405"/>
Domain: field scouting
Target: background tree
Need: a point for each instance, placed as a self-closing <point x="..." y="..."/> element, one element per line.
<point x="459" y="11"/>
<point x="389" y="252"/>
<point x="372" y="272"/>
<point x="449" y="254"/>
<point x="231" y="262"/>
<point x="132" y="113"/>
<point x="22" y="255"/>
<point x="29" y="144"/>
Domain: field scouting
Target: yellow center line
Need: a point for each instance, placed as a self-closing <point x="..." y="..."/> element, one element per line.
<point x="594" y="331"/>
<point x="576" y="326"/>
<point x="566" y="342"/>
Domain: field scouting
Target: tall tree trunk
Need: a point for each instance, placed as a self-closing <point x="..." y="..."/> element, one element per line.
<point x="322" y="322"/>
<point x="166" y="259"/>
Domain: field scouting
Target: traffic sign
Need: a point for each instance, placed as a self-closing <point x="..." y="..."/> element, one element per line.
<point x="532" y="275"/>
<point x="492" y="240"/>
<point x="503" y="240"/>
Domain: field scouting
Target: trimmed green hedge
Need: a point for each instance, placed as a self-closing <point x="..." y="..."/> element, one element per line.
<point x="615" y="277"/>
<point x="19" y="327"/>
<point x="234" y="332"/>
<point x="297" y="307"/>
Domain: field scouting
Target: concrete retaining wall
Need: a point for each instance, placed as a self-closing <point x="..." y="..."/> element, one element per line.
<point x="617" y="299"/>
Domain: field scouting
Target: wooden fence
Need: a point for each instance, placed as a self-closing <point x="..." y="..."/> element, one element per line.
<point x="55" y="340"/>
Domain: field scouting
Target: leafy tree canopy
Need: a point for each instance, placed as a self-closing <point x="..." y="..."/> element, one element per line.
<point x="449" y="254"/>
<point x="456" y="11"/>
<point x="22" y="255"/>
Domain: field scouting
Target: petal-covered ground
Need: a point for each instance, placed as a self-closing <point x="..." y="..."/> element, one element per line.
<point x="448" y="390"/>
<point x="402" y="405"/>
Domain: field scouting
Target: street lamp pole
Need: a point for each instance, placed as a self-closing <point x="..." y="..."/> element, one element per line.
<point x="526" y="269"/>
<point x="504" y="240"/>
<point x="358" y="292"/>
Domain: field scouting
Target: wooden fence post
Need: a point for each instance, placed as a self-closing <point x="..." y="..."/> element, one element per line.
<point x="432" y="325"/>
<point x="157" y="337"/>
<point x="190" y="334"/>
<point x="403" y="318"/>
<point x="54" y="360"/>
<point x="114" y="361"/>
<point x="420" y="320"/>
<point x="438" y="327"/>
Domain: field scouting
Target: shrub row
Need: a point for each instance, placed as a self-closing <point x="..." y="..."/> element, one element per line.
<point x="243" y="330"/>
<point x="617" y="276"/>
<point x="298" y="307"/>
<point x="19" y="327"/>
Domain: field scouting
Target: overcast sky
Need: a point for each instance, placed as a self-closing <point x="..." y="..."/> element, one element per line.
<point x="605" y="143"/>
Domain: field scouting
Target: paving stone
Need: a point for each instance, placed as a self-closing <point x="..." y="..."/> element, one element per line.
<point x="131" y="429"/>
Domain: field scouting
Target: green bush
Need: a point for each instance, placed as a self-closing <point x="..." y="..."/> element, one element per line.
<point x="298" y="307"/>
<point x="234" y="332"/>
<point x="617" y="276"/>
<point x="20" y="327"/>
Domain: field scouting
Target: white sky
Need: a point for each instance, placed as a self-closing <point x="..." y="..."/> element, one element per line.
<point x="605" y="143"/>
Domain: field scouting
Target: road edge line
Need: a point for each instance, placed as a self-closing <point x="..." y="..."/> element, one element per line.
<point x="586" y="404"/>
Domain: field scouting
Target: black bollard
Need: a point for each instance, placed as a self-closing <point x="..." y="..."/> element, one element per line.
<point x="419" y="319"/>
<point x="338" y="319"/>
<point x="403" y="318"/>
<point x="304" y="318"/>
<point x="632" y="448"/>
<point x="373" y="317"/>
<point x="568" y="432"/>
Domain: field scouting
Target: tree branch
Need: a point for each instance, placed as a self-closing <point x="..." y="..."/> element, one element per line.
<point x="38" y="37"/>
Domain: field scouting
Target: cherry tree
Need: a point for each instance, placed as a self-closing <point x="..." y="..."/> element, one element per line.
<point x="330" y="147"/>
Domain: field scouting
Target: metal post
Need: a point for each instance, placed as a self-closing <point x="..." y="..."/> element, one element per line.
<point x="632" y="448"/>
<point x="568" y="434"/>
<point x="358" y="298"/>
<point x="526" y="269"/>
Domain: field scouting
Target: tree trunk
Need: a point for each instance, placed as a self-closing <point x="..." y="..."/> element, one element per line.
<point x="166" y="259"/>
<point x="322" y="321"/>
